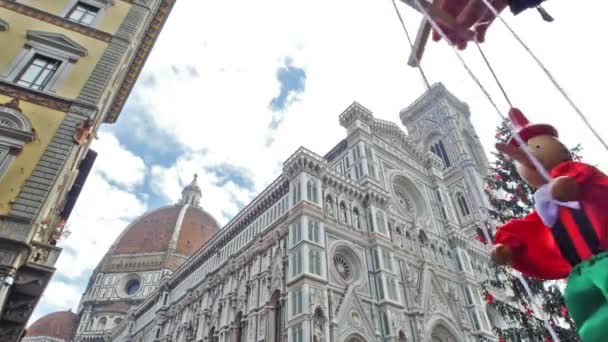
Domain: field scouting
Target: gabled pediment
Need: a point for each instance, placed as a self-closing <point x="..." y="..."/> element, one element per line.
<point x="439" y="298"/>
<point x="57" y="41"/>
<point x="352" y="318"/>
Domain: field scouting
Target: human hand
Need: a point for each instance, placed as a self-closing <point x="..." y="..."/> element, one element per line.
<point x="501" y="254"/>
<point x="468" y="14"/>
<point x="564" y="189"/>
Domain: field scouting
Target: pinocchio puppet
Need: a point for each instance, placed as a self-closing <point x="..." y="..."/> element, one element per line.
<point x="566" y="235"/>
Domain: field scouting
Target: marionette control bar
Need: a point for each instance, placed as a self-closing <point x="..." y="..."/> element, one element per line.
<point x="440" y="17"/>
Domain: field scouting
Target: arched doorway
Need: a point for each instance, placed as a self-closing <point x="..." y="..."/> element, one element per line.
<point x="275" y="317"/>
<point x="238" y="331"/>
<point x="355" y="338"/>
<point x="442" y="334"/>
<point x="212" y="336"/>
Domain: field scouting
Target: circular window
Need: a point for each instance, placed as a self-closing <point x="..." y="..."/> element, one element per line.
<point x="408" y="198"/>
<point x="346" y="264"/>
<point x="344" y="267"/>
<point x="132" y="286"/>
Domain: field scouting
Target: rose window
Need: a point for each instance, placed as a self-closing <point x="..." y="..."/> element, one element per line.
<point x="344" y="267"/>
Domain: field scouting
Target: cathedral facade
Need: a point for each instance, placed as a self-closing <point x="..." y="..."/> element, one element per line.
<point x="373" y="241"/>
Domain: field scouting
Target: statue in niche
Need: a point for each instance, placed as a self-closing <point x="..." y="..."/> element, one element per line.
<point x="319" y="335"/>
<point x="329" y="207"/>
<point x="343" y="215"/>
<point x="356" y="222"/>
<point x="318" y="325"/>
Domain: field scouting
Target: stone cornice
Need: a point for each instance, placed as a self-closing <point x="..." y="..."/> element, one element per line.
<point x="55" y="20"/>
<point x="353" y="112"/>
<point x="40" y="98"/>
<point x="303" y="160"/>
<point x="141" y="55"/>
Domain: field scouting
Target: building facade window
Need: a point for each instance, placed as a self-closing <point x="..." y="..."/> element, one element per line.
<point x="380" y="222"/>
<point x="296" y="195"/>
<point x="444" y="214"/>
<point x="39" y="71"/>
<point x="313" y="231"/>
<point x="386" y="259"/>
<point x="315" y="262"/>
<point x="297" y="333"/>
<point x="312" y="192"/>
<point x="359" y="170"/>
<point x="296" y="234"/>
<point x="83" y="13"/>
<point x="439" y="150"/>
<point x="462" y="203"/>
<point x="296" y="302"/>
<point x="45" y="60"/>
<point x="392" y="289"/>
<point x="296" y="263"/>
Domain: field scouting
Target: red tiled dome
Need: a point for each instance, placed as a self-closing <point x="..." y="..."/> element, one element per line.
<point x="153" y="231"/>
<point x="61" y="325"/>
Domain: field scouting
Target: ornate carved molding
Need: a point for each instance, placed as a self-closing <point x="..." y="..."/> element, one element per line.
<point x="143" y="51"/>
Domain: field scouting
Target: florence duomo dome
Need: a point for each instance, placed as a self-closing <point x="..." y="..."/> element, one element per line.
<point x="152" y="246"/>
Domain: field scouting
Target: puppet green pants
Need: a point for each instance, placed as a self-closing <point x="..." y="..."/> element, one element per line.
<point x="587" y="298"/>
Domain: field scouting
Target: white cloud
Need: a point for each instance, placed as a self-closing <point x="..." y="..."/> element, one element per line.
<point x="118" y="164"/>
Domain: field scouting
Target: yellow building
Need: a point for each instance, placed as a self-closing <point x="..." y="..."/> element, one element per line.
<point x="66" y="67"/>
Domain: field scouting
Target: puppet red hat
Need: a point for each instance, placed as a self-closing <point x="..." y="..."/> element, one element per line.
<point x="522" y="126"/>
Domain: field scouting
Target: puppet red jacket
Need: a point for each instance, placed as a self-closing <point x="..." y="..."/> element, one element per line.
<point x="551" y="252"/>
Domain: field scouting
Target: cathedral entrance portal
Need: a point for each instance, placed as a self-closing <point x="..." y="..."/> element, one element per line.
<point x="355" y="338"/>
<point x="275" y="317"/>
<point x="441" y="334"/>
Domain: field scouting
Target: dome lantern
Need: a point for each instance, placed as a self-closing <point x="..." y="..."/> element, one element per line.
<point x="192" y="193"/>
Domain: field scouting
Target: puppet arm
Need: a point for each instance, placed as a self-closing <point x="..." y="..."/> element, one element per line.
<point x="533" y="249"/>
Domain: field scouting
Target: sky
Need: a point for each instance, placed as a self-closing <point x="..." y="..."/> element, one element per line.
<point x="233" y="88"/>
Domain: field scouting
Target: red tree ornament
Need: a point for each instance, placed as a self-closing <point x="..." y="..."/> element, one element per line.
<point x="528" y="311"/>
<point x="564" y="311"/>
<point x="489" y="298"/>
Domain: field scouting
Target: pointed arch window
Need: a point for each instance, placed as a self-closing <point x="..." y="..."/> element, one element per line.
<point x="380" y="222"/>
<point x="462" y="203"/>
<point x="439" y="150"/>
<point x="315" y="262"/>
<point x="312" y="192"/>
<point x="313" y="231"/>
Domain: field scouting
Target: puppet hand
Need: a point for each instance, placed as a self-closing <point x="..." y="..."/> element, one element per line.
<point x="469" y="13"/>
<point x="501" y="254"/>
<point x="564" y="189"/>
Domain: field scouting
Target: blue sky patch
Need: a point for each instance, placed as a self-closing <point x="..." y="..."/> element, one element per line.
<point x="226" y="173"/>
<point x="292" y="81"/>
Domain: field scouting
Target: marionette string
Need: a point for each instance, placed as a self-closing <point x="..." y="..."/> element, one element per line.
<point x="409" y="40"/>
<point x="540" y="168"/>
<point x="549" y="75"/>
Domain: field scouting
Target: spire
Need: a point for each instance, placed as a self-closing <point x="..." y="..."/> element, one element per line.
<point x="191" y="194"/>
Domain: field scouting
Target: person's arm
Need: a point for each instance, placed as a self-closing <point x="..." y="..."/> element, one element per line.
<point x="518" y="6"/>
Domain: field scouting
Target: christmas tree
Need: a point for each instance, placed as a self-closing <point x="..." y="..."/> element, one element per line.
<point x="510" y="197"/>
